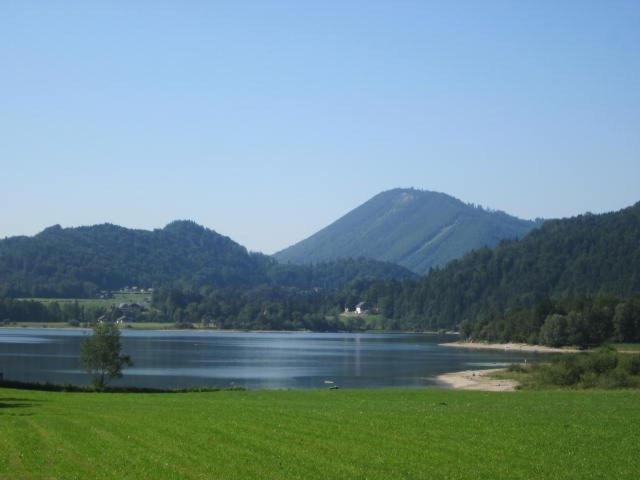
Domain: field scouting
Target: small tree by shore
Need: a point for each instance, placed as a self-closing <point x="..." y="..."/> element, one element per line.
<point x="101" y="354"/>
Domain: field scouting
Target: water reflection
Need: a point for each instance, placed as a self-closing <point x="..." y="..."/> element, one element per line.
<point x="253" y="360"/>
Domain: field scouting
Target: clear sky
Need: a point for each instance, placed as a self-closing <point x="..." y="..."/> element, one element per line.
<point x="267" y="120"/>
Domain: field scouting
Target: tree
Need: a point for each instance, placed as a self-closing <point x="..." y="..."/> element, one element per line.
<point x="626" y="321"/>
<point x="554" y="330"/>
<point x="578" y="330"/>
<point x="101" y="354"/>
<point x="466" y="329"/>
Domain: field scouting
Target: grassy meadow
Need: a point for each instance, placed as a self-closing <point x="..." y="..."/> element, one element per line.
<point x="98" y="302"/>
<point x="350" y="434"/>
<point x="131" y="326"/>
<point x="627" y="347"/>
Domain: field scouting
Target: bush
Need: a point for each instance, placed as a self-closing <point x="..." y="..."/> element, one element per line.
<point x="614" y="379"/>
<point x="605" y="369"/>
<point x="517" y="368"/>
<point x="564" y="373"/>
<point x="589" y="380"/>
<point x="630" y="364"/>
<point x="601" y="362"/>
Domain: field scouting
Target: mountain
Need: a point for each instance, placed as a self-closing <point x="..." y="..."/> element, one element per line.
<point x="565" y="261"/>
<point x="81" y="261"/>
<point x="76" y="261"/>
<point x="413" y="228"/>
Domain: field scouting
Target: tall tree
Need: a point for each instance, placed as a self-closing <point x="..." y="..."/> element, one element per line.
<point x="101" y="354"/>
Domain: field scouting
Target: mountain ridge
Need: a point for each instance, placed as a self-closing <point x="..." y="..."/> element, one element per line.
<point x="418" y="229"/>
<point x="80" y="261"/>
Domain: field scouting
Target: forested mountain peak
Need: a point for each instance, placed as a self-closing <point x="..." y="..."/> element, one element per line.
<point x="187" y="227"/>
<point x="418" y="229"/>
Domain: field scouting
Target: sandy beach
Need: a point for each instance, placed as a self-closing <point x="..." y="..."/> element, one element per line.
<point x="477" y="380"/>
<point x="517" y="347"/>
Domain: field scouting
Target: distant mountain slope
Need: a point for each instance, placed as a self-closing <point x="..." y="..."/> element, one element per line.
<point x="81" y="261"/>
<point x="413" y="228"/>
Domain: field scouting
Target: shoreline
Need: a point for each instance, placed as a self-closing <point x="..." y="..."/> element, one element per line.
<point x="477" y="380"/>
<point x="50" y="326"/>
<point x="510" y="347"/>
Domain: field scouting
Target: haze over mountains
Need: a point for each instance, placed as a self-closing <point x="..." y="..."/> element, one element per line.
<point x="414" y="228"/>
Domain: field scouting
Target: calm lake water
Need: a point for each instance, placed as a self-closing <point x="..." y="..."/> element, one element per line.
<point x="253" y="360"/>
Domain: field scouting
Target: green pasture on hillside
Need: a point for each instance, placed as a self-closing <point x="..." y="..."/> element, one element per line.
<point x="342" y="434"/>
<point x="98" y="302"/>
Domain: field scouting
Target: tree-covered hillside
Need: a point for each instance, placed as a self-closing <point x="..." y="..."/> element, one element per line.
<point x="557" y="268"/>
<point x="413" y="228"/>
<point x="572" y="281"/>
<point x="79" y="262"/>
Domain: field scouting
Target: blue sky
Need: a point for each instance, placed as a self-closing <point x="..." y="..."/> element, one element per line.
<point x="267" y="120"/>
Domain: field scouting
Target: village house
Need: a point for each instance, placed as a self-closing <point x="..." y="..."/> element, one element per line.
<point x="362" y="308"/>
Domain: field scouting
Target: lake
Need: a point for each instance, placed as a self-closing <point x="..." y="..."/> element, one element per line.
<point x="171" y="359"/>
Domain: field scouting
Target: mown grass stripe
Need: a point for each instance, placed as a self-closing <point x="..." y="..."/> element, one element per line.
<point x="373" y="434"/>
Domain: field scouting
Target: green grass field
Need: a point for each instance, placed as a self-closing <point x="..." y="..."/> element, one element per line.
<point x="133" y="326"/>
<point x="98" y="302"/>
<point x="627" y="347"/>
<point x="343" y="434"/>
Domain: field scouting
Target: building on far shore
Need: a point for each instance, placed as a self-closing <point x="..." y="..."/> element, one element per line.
<point x="362" y="308"/>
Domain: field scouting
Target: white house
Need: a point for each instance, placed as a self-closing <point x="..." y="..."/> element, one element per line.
<point x="362" y="308"/>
